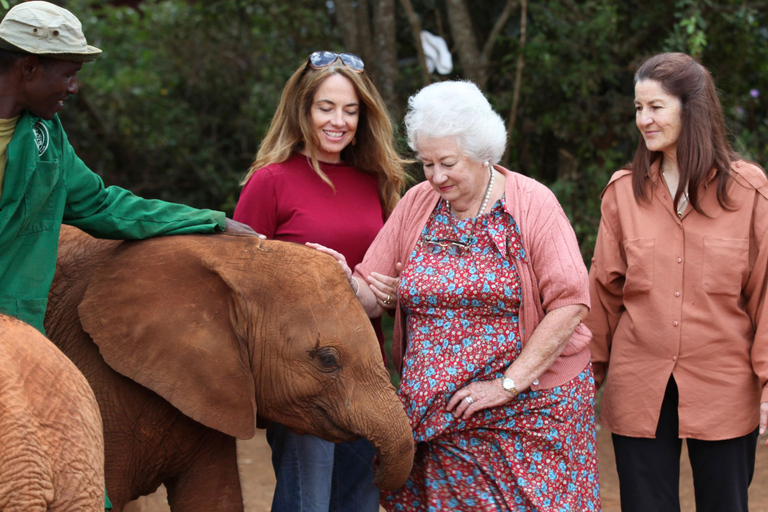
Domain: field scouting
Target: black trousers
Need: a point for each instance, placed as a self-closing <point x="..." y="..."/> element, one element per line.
<point x="649" y="469"/>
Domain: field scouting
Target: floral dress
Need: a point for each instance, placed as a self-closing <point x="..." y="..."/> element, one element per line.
<point x="461" y="292"/>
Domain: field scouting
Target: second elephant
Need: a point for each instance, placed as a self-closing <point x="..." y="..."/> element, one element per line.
<point x="185" y="338"/>
<point x="51" y="446"/>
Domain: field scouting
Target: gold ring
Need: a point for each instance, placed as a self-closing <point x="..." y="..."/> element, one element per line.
<point x="388" y="300"/>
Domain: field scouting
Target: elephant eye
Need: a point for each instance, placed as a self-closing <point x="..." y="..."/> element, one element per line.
<point x="327" y="358"/>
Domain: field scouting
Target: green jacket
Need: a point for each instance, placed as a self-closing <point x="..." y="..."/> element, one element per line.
<point x="46" y="185"/>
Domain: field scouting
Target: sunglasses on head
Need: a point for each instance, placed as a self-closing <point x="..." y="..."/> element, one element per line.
<point x="323" y="59"/>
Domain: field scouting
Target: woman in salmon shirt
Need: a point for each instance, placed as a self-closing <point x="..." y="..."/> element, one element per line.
<point x="677" y="287"/>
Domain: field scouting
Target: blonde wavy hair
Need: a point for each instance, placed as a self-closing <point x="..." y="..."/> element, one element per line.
<point x="373" y="152"/>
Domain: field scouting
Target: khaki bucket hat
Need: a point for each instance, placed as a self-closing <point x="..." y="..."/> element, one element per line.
<point x="44" y="29"/>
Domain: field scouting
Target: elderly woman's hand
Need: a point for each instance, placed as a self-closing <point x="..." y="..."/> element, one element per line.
<point x="378" y="296"/>
<point x="477" y="396"/>
<point x="338" y="257"/>
<point x="385" y="287"/>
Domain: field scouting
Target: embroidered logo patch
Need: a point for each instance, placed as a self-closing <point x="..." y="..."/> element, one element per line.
<point x="41" y="137"/>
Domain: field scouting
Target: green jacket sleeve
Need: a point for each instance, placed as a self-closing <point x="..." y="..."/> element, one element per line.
<point x="113" y="212"/>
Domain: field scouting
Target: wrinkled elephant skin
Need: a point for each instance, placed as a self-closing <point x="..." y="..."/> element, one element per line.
<point x="185" y="338"/>
<point x="51" y="445"/>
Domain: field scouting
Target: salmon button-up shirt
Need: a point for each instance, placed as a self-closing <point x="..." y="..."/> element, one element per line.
<point x="682" y="297"/>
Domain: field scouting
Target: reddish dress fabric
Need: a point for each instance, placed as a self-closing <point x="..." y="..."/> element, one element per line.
<point x="535" y="453"/>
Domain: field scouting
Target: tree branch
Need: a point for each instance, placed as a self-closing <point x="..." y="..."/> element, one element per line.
<point x="416" y="29"/>
<point x="518" y="80"/>
<point x="496" y="30"/>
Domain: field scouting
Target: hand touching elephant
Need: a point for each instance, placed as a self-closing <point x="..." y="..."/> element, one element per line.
<point x="51" y="445"/>
<point x="185" y="338"/>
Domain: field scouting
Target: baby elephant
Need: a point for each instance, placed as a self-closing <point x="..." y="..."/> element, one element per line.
<point x="51" y="444"/>
<point x="184" y="339"/>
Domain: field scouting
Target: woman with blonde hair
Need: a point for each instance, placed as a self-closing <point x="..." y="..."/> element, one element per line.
<point x="326" y="172"/>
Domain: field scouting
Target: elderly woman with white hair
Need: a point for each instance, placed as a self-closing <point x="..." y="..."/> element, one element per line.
<point x="494" y="360"/>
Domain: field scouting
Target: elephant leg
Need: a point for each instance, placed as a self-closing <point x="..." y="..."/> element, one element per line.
<point x="139" y="505"/>
<point x="212" y="482"/>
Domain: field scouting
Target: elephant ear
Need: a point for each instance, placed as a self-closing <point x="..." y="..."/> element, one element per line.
<point x="165" y="318"/>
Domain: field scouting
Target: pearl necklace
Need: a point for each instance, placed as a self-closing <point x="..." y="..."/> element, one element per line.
<point x="683" y="200"/>
<point x="486" y="196"/>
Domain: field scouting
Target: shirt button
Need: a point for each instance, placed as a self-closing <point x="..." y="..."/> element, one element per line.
<point x="674" y="358"/>
<point x="679" y="260"/>
<point x="677" y="294"/>
<point x="536" y="382"/>
<point x="674" y="323"/>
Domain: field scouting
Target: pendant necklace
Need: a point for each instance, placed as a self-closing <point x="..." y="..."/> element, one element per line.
<point x="680" y="208"/>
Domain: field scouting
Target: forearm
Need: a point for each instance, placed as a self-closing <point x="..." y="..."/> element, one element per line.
<point x="545" y="345"/>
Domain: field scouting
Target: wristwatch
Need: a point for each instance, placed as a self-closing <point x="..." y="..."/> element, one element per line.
<point x="509" y="385"/>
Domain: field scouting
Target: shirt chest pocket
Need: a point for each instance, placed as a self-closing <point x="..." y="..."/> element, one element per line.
<point x="726" y="263"/>
<point x="640" y="262"/>
<point x="41" y="199"/>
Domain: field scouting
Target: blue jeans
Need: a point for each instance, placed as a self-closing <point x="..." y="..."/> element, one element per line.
<point x="314" y="475"/>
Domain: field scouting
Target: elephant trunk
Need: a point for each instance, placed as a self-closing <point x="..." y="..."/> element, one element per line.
<point x="394" y="448"/>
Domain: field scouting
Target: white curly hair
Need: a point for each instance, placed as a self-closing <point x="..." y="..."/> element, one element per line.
<point x="456" y="109"/>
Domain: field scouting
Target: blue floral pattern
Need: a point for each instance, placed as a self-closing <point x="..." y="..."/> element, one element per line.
<point x="536" y="453"/>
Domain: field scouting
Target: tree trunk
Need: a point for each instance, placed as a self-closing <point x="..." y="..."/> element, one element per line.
<point x="386" y="55"/>
<point x="464" y="38"/>
<point x="413" y="18"/>
<point x="518" y="81"/>
<point x="348" y="25"/>
<point x="365" y="46"/>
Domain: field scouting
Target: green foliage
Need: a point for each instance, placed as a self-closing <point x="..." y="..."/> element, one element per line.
<point x="177" y="104"/>
<point x="575" y="122"/>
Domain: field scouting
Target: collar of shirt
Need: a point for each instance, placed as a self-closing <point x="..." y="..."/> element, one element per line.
<point x="654" y="173"/>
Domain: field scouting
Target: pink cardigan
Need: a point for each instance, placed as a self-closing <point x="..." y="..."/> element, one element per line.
<point x="552" y="276"/>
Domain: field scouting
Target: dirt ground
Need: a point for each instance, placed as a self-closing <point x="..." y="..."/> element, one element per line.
<point x="258" y="479"/>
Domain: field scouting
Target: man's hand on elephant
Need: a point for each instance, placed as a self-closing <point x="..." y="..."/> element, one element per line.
<point x="384" y="287"/>
<point x="233" y="226"/>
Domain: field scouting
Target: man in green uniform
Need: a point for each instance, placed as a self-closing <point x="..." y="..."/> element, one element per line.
<point x="42" y="182"/>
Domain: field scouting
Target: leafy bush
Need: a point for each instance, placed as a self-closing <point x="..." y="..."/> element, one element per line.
<point x="176" y="106"/>
<point x="178" y="102"/>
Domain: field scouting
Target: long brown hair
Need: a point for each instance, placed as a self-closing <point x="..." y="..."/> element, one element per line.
<point x="373" y="151"/>
<point x="703" y="142"/>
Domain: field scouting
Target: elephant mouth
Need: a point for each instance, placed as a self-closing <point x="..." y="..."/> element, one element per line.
<point x="318" y="419"/>
<point x="329" y="428"/>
